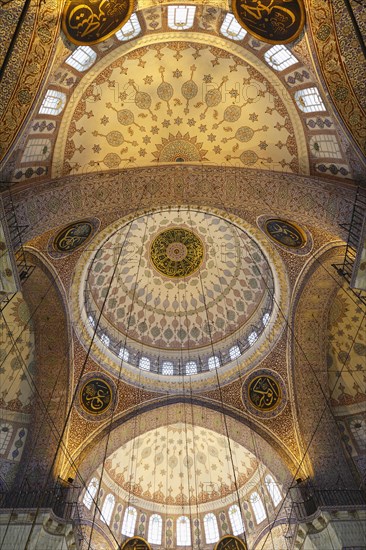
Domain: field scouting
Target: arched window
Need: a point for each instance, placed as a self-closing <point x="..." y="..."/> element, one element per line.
<point x="36" y="150"/>
<point x="123" y="354"/>
<point x="236" y="521"/>
<point x="155" y="529"/>
<point x="5" y="434"/>
<point x="258" y="508"/>
<point x="180" y="18"/>
<point x="309" y="100"/>
<point x="131" y="29"/>
<point x="253" y="337"/>
<point x="234" y="352"/>
<point x="105" y="340"/>
<point x="53" y="103"/>
<point x="144" y="363"/>
<point x="90" y="493"/>
<point x="129" y="522"/>
<point x="108" y="505"/>
<point x="167" y="368"/>
<point x="82" y="58"/>
<point x="279" y="58"/>
<point x="231" y="28"/>
<point x="213" y="362"/>
<point x="265" y="319"/>
<point x="273" y="489"/>
<point x="211" y="529"/>
<point x="191" y="367"/>
<point x="358" y="429"/>
<point x="91" y="320"/>
<point x="183" y="531"/>
<point x="325" y="146"/>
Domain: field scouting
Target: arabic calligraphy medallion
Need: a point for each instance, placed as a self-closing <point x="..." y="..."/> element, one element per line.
<point x="92" y="21"/>
<point x="96" y="396"/>
<point x="285" y="233"/>
<point x="137" y="543"/>
<point x="272" y="21"/>
<point x="177" y="252"/>
<point x="264" y="393"/>
<point x="73" y="236"/>
<point x="231" y="543"/>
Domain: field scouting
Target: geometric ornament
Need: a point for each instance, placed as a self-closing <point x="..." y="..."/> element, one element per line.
<point x="90" y="21"/>
<point x="95" y="396"/>
<point x="264" y="393"/>
<point x="231" y="543"/>
<point x="285" y="233"/>
<point x="272" y="21"/>
<point x="137" y="543"/>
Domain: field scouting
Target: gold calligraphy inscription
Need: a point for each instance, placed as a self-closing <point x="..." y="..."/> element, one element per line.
<point x="177" y="252"/>
<point x="231" y="543"/>
<point x="137" y="543"/>
<point x="285" y="233"/>
<point x="73" y="236"/>
<point x="272" y="21"/>
<point x="264" y="393"/>
<point x="92" y="21"/>
<point x="96" y="396"/>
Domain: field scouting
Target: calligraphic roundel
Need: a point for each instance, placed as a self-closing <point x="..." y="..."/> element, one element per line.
<point x="90" y="21"/>
<point x="95" y="396"/>
<point x="285" y="233"/>
<point x="272" y="21"/>
<point x="72" y="236"/>
<point x="231" y="543"/>
<point x="137" y="543"/>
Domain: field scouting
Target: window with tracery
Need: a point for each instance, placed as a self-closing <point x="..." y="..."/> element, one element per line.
<point x="236" y="521"/>
<point x="107" y="509"/>
<point x="82" y="58"/>
<point x="279" y="58"/>
<point x="90" y="493"/>
<point x="325" y="146"/>
<point x="234" y="352"/>
<point x="309" y="100"/>
<point x="130" y="30"/>
<point x="252" y="338"/>
<point x="155" y="529"/>
<point x="123" y="354"/>
<point x="144" y="363"/>
<point x="6" y="431"/>
<point x="231" y="28"/>
<point x="167" y="368"/>
<point x="258" y="507"/>
<point x="183" y="531"/>
<point x="105" y="340"/>
<point x="191" y="367"/>
<point x="273" y="489"/>
<point x="213" y="362"/>
<point x="129" y="521"/>
<point x="180" y="18"/>
<point x="36" y="150"/>
<point x="265" y="319"/>
<point x="358" y="429"/>
<point x="211" y="528"/>
<point x="53" y="103"/>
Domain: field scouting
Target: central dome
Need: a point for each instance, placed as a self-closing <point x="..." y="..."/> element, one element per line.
<point x="176" y="291"/>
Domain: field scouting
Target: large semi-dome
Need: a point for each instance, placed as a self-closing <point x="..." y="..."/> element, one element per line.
<point x="178" y="291"/>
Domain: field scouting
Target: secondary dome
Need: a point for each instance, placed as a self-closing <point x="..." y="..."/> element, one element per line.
<point x="178" y="291"/>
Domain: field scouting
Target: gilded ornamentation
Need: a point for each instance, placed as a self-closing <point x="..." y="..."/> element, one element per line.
<point x="73" y="236"/>
<point x="285" y="233"/>
<point x="96" y="396"/>
<point x="230" y="542"/>
<point x="264" y="393"/>
<point x="177" y="252"/>
<point x="273" y="21"/>
<point x="137" y="543"/>
<point x="91" y="22"/>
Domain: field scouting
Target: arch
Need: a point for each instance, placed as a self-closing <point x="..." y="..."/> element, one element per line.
<point x="258" y="507"/>
<point x="107" y="509"/>
<point x="129" y="521"/>
<point x="183" y="531"/>
<point x="155" y="529"/>
<point x="90" y="492"/>
<point x="273" y="489"/>
<point x="211" y="528"/>
<point x="237" y="524"/>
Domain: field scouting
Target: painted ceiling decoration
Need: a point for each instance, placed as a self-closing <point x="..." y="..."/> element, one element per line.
<point x="90" y="22"/>
<point x="278" y="22"/>
<point x="96" y="396"/>
<point x="228" y="542"/>
<point x="138" y="543"/>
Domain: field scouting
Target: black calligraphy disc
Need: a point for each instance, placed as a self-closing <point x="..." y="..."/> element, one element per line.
<point x="92" y="21"/>
<point x="264" y="393"/>
<point x="285" y="233"/>
<point x="272" y="21"/>
<point x="230" y="542"/>
<point x="96" y="396"/>
<point x="73" y="236"/>
<point x="137" y="543"/>
<point x="177" y="252"/>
